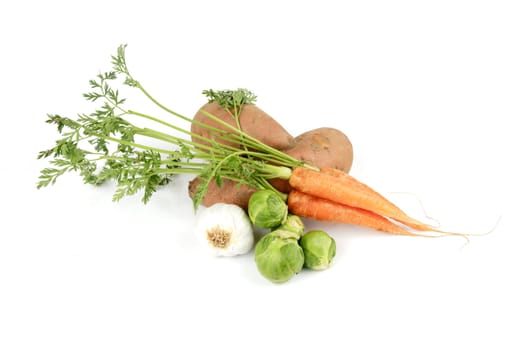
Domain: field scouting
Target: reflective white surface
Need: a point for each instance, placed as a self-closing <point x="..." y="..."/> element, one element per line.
<point x="431" y="97"/>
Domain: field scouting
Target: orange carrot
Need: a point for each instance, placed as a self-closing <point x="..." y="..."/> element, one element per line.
<point x="342" y="188"/>
<point x="312" y="207"/>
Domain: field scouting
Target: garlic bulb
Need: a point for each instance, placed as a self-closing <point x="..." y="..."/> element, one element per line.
<point x="225" y="229"/>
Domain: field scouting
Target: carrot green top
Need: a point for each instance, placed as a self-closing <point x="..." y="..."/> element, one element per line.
<point x="107" y="144"/>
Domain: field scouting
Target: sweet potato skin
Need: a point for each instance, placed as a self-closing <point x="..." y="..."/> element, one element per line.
<point x="253" y="121"/>
<point x="324" y="148"/>
<point x="230" y="192"/>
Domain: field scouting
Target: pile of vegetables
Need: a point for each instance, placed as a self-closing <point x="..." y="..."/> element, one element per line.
<point x="249" y="171"/>
<point x="283" y="252"/>
<point x="227" y="230"/>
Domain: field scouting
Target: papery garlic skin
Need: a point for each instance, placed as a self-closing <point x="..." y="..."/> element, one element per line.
<point x="225" y="229"/>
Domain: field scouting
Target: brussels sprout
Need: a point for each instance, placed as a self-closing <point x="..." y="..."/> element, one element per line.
<point x="284" y="234"/>
<point x="278" y="259"/>
<point x="318" y="248"/>
<point x="266" y="209"/>
<point x="294" y="225"/>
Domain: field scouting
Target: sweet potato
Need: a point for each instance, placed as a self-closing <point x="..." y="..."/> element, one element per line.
<point x="230" y="192"/>
<point x="323" y="147"/>
<point x="253" y="121"/>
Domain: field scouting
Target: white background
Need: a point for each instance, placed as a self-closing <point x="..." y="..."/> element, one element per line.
<point x="429" y="92"/>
